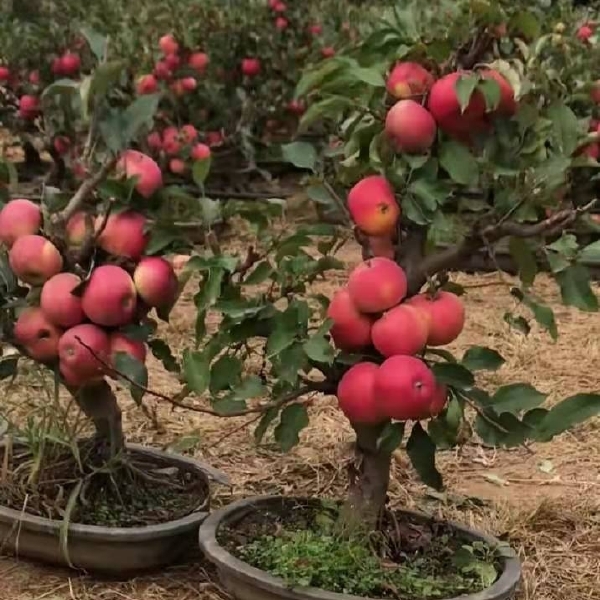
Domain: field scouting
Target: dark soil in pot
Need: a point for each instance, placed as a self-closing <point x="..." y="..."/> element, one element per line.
<point x="409" y="558"/>
<point x="80" y="485"/>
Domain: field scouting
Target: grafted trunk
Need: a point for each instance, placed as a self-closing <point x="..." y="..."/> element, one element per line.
<point x="99" y="404"/>
<point x="368" y="490"/>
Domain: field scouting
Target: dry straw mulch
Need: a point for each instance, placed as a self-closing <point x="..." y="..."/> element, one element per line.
<point x="547" y="503"/>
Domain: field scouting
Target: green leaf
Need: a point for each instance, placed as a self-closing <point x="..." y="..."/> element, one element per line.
<point x="280" y="339"/>
<point x="319" y="349"/>
<point x="96" y="41"/>
<point x="566" y="128"/>
<point x="567" y="413"/>
<point x="454" y="375"/>
<point x="229" y="405"/>
<point x="210" y="289"/>
<point x="135" y="372"/>
<point x="293" y="419"/>
<point x="575" y="288"/>
<point x="162" y="352"/>
<point x="320" y="194"/>
<point x="139" y="114"/>
<point x="516" y="397"/>
<point x="200" y="170"/>
<point x="591" y="253"/>
<point x="421" y="451"/>
<point x="269" y="416"/>
<point x="262" y="271"/>
<point x="196" y="371"/>
<point x="104" y="79"/>
<point x="225" y="373"/>
<point x="527" y="24"/>
<point x="501" y="430"/>
<point x="458" y="162"/>
<point x="465" y="86"/>
<point x="525" y="259"/>
<point x="301" y="154"/>
<point x="517" y="322"/>
<point x="431" y="193"/>
<point x="185" y="443"/>
<point x="312" y="78"/>
<point x="444" y="430"/>
<point x="251" y="387"/>
<point x="371" y="77"/>
<point x="328" y="108"/>
<point x="60" y="87"/>
<point x="391" y="437"/>
<point x="544" y="315"/>
<point x="8" y="366"/>
<point x="490" y="90"/>
<point x="479" y="358"/>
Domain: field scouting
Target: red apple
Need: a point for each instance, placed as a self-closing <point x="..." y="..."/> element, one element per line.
<point x="37" y="335"/>
<point x="188" y="134"/>
<point x="315" y="30"/>
<point x="124" y="234"/>
<point x="281" y="23"/>
<point x="200" y="152"/>
<point x="146" y="84"/>
<point x="155" y="281"/>
<point x="409" y="79"/>
<point x="168" y="45"/>
<point x="34" y="259"/>
<point x="162" y="71"/>
<point x="28" y="107"/>
<point x="356" y="394"/>
<point x="411" y="127"/>
<point x="110" y="296"/>
<point x="198" y="61"/>
<point x="137" y="164"/>
<point x="34" y="77"/>
<point x="70" y="63"/>
<point x="19" y="217"/>
<point x="189" y="84"/>
<point x="154" y="140"/>
<point x="351" y="330"/>
<point x="376" y="285"/>
<point x="177" y="166"/>
<point x="373" y="206"/>
<point x="584" y="33"/>
<point x="83" y="351"/>
<point x="328" y="52"/>
<point x="58" y="302"/>
<point x="173" y="61"/>
<point x="402" y="330"/>
<point x="446" y="315"/>
<point x="404" y="388"/>
<point x="4" y="73"/>
<point x="251" y="67"/>
<point x="171" y="142"/>
<point x="61" y="144"/>
<point x="76" y="229"/>
<point x="595" y="92"/>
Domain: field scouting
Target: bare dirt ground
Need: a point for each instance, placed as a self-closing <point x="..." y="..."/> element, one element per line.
<point x="547" y="502"/>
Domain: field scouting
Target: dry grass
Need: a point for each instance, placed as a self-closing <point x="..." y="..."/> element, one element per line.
<point x="546" y="503"/>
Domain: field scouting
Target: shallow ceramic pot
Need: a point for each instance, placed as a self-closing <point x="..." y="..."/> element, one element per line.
<point x="247" y="583"/>
<point x="113" y="551"/>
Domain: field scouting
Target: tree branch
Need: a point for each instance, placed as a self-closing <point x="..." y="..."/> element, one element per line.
<point x="176" y="400"/>
<point x="479" y="237"/>
<point x="86" y="188"/>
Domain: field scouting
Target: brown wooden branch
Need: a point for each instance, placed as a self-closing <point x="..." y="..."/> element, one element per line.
<point x="176" y="400"/>
<point x="484" y="236"/>
<point x="86" y="188"/>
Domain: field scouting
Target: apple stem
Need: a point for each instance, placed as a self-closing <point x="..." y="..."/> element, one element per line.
<point x="368" y="488"/>
<point x="99" y="403"/>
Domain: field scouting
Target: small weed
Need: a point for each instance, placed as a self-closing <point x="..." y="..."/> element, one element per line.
<point x="310" y="552"/>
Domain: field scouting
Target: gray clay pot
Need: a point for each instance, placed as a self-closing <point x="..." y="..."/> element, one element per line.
<point x="114" y="552"/>
<point x="247" y="583"/>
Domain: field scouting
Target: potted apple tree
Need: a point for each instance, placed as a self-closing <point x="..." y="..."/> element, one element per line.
<point x="469" y="117"/>
<point x="83" y="275"/>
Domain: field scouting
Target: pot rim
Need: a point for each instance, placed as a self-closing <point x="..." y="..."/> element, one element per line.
<point x="502" y="589"/>
<point x="102" y="533"/>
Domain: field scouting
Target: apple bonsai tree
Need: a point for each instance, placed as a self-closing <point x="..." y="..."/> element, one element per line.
<point x="462" y="126"/>
<point x="85" y="279"/>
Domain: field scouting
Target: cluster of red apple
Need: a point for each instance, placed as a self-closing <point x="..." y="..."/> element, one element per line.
<point x="167" y="67"/>
<point x="373" y="311"/>
<point x="178" y="144"/>
<point x="586" y="32"/>
<point x="78" y="324"/>
<point x="412" y="127"/>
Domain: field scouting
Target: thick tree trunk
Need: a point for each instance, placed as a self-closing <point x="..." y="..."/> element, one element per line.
<point x="368" y="491"/>
<point x="99" y="404"/>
